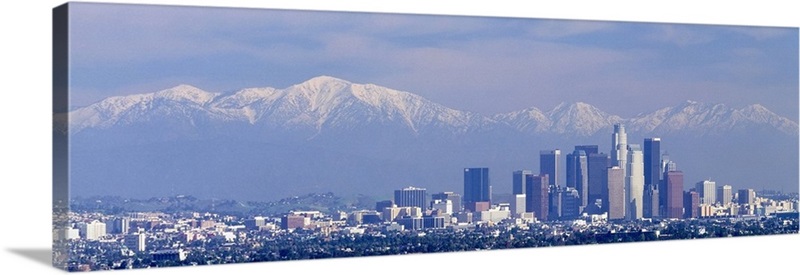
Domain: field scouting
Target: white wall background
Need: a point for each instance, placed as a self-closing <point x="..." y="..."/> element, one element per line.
<point x="25" y="170"/>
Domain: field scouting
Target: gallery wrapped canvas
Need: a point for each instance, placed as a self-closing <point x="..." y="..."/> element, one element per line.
<point x="187" y="136"/>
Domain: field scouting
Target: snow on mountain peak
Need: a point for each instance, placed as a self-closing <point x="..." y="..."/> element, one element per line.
<point x="323" y="83"/>
<point x="329" y="102"/>
<point x="185" y="93"/>
<point x="580" y="118"/>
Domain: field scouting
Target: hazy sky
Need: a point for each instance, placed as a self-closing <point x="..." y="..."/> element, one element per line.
<point x="487" y="65"/>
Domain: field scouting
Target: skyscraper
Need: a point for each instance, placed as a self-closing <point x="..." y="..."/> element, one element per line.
<point x="518" y="178"/>
<point x="578" y="174"/>
<point x="536" y="198"/>
<point x="634" y="183"/>
<point x="476" y="186"/>
<point x="724" y="194"/>
<point x="652" y="161"/>
<point x="615" y="185"/>
<point x="570" y="203"/>
<point x="674" y="194"/>
<point x="666" y="166"/>
<point x="691" y="204"/>
<point x="652" y="176"/>
<point x="410" y="196"/>
<point x="707" y="190"/>
<point x="619" y="147"/>
<point x="650" y="205"/>
<point x="598" y="166"/>
<point x="549" y="161"/>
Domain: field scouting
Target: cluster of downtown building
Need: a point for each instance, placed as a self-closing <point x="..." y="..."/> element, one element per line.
<point x="632" y="183"/>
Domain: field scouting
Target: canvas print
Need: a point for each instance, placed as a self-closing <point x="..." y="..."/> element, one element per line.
<point x="190" y="136"/>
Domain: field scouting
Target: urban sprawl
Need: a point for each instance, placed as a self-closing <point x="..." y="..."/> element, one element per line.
<point x="632" y="194"/>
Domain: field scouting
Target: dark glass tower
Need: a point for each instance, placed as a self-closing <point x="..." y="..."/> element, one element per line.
<point x="652" y="162"/>
<point x="598" y="166"/>
<point x="549" y="161"/>
<point x="476" y="185"/>
<point x="578" y="174"/>
<point x="518" y="178"/>
<point x="537" y="196"/>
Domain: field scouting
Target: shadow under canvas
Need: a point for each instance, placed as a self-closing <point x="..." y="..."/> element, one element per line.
<point x="40" y="255"/>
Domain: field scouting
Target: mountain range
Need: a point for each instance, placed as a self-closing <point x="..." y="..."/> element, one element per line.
<point x="347" y="135"/>
<point x="325" y="102"/>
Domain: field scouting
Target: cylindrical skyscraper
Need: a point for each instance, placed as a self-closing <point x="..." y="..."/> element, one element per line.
<point x="634" y="183"/>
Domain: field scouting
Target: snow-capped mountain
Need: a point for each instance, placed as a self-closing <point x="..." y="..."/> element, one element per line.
<point x="580" y="119"/>
<point x="329" y="134"/>
<point x="708" y="118"/>
<point x="319" y="103"/>
<point x="180" y="102"/>
<point x="324" y="103"/>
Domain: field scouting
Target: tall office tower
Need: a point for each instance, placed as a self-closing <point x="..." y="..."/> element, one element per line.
<point x="619" y="147"/>
<point x="666" y="166"/>
<point x="724" y="194"/>
<point x="578" y="174"/>
<point x="453" y="197"/>
<point x="652" y="176"/>
<point x="549" y="161"/>
<point x="518" y="178"/>
<point x="674" y="194"/>
<point x="634" y="183"/>
<point x="536" y="198"/>
<point x="410" y="196"/>
<point x="707" y="190"/>
<point x="615" y="185"/>
<point x="589" y="149"/>
<point x="598" y="166"/>
<point x="476" y="186"/>
<point x="691" y="204"/>
<point x="570" y="203"/>
<point x="554" y="203"/>
<point x="652" y="161"/>
<point x="650" y="203"/>
<point x="747" y="196"/>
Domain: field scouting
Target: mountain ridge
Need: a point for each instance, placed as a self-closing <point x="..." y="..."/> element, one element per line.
<point x="327" y="102"/>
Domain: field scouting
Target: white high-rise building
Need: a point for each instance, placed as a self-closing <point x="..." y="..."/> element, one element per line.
<point x="93" y="230"/>
<point x="518" y="205"/>
<point x="619" y="147"/>
<point x="634" y="183"/>
<point x="707" y="190"/>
